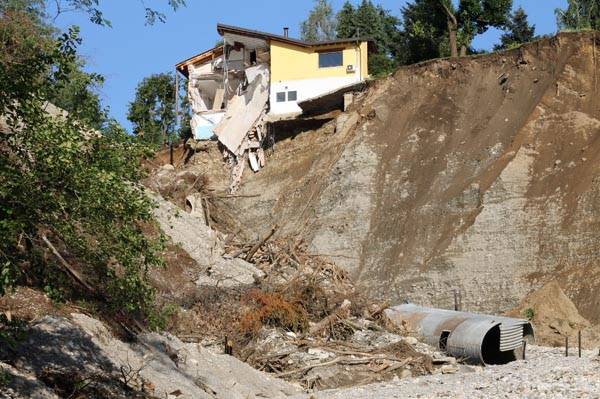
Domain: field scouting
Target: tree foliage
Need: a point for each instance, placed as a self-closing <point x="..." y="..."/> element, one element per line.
<point x="437" y="28"/>
<point x="375" y="22"/>
<point x="424" y="32"/>
<point x="519" y="31"/>
<point x="63" y="185"/>
<point x="93" y="9"/>
<point x="78" y="94"/>
<point x="579" y="15"/>
<point x="320" y="24"/>
<point x="152" y="112"/>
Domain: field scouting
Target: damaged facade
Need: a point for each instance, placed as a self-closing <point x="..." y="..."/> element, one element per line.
<point x="254" y="78"/>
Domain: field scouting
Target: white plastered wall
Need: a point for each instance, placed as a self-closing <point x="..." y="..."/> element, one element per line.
<point x="305" y="89"/>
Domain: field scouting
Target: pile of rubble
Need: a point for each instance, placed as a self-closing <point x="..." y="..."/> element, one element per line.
<point x="294" y="314"/>
<point x="331" y="335"/>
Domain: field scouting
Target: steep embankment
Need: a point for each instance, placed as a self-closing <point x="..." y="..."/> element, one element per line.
<point x="480" y="174"/>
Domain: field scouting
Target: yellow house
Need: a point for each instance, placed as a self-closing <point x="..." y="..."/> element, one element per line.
<point x="298" y="70"/>
<point x="254" y="78"/>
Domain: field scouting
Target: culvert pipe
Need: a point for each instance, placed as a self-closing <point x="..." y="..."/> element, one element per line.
<point x="475" y="338"/>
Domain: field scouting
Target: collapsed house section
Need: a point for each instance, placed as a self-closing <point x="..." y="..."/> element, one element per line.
<point x="228" y="89"/>
<point x="255" y="78"/>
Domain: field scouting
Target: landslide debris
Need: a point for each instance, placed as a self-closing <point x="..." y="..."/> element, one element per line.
<point x="271" y="303"/>
<point x="478" y="174"/>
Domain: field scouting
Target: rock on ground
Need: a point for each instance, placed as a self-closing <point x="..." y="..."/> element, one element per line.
<point x="161" y="365"/>
<point x="546" y="373"/>
<point x="204" y="246"/>
<point x="15" y="384"/>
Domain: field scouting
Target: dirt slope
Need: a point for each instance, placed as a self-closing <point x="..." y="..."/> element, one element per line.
<point x="480" y="174"/>
<point x="555" y="317"/>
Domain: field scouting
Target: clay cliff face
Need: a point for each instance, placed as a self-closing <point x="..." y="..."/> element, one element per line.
<point x="480" y="174"/>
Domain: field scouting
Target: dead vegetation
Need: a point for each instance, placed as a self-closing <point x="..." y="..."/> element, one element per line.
<point x="306" y="322"/>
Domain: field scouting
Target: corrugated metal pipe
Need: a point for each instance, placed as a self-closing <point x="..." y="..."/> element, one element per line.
<point x="475" y="338"/>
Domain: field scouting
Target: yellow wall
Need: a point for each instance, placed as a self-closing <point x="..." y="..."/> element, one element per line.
<point x="364" y="62"/>
<point x="290" y="62"/>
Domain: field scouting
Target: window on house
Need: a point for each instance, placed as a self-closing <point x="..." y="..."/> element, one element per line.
<point x="331" y="59"/>
<point x="281" y="97"/>
<point x="292" y="95"/>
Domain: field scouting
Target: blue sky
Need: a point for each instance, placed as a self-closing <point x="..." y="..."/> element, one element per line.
<point x="129" y="51"/>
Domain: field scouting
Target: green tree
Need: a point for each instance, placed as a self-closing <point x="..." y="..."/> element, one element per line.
<point x="320" y="24"/>
<point x="185" y="127"/>
<point x="70" y="199"/>
<point x="78" y="94"/>
<point x="346" y="26"/>
<point x="473" y="17"/>
<point x="423" y="34"/>
<point x="519" y="31"/>
<point x="437" y="28"/>
<point x="376" y="23"/>
<point x="64" y="189"/>
<point x="152" y="112"/>
<point x="579" y="15"/>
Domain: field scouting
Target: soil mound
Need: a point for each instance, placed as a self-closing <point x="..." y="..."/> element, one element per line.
<point x="553" y="314"/>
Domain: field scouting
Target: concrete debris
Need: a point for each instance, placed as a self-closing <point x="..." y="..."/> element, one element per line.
<point x="244" y="110"/>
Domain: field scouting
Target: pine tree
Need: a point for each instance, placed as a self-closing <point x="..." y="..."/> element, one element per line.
<point x="346" y="21"/>
<point x="376" y="23"/>
<point x="519" y="31"/>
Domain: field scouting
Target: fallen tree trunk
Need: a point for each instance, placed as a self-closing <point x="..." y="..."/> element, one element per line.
<point x="260" y="244"/>
<point x="68" y="268"/>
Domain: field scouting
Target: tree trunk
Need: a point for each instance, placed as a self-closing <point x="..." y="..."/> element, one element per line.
<point x="453" y="41"/>
<point x="452" y="29"/>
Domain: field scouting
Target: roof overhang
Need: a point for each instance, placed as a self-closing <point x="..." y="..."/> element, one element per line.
<point x="235" y="30"/>
<point x="183" y="66"/>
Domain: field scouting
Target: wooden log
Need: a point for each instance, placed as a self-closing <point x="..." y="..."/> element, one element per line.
<point x="341" y="313"/>
<point x="68" y="268"/>
<point x="260" y="244"/>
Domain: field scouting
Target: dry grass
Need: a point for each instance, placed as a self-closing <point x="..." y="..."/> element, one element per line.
<point x="272" y="309"/>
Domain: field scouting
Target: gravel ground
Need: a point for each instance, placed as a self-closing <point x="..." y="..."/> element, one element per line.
<point x="546" y="373"/>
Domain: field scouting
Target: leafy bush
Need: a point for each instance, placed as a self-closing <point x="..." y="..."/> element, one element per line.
<point x="529" y="313"/>
<point x="68" y="195"/>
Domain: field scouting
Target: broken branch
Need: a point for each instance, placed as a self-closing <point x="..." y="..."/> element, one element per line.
<point x="340" y="313"/>
<point x="70" y="271"/>
<point x="260" y="244"/>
